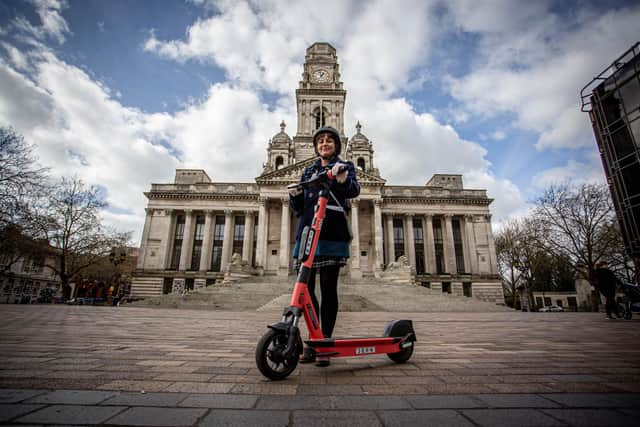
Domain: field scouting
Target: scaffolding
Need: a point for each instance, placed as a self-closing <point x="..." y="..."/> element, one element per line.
<point x="612" y="100"/>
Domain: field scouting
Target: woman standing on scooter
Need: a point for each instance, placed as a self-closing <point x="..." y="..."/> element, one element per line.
<point x="332" y="251"/>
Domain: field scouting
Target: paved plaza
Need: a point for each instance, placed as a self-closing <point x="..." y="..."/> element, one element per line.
<point x="85" y="365"/>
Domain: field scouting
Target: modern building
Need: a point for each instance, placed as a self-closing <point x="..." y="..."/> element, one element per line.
<point x="612" y="100"/>
<point x="195" y="227"/>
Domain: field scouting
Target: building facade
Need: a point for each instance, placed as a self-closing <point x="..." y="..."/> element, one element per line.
<point x="196" y="228"/>
<point x="22" y="281"/>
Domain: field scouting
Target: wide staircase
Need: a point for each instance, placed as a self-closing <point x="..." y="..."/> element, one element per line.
<point x="273" y="293"/>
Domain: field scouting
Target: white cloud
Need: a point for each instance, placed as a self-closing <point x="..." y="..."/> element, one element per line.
<point x="525" y="65"/>
<point x="260" y="44"/>
<point x="537" y="70"/>
<point x="498" y="135"/>
<point x="80" y="130"/>
<point x="18" y="59"/>
<point x="574" y="171"/>
<point x="227" y="134"/>
<point x="411" y="147"/>
<point x="52" y="24"/>
<point x="508" y="201"/>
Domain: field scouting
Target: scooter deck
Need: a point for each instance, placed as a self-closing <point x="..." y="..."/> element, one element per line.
<point x="350" y="342"/>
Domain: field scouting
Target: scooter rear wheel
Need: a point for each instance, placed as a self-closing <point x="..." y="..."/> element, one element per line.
<point x="269" y="355"/>
<point x="400" y="329"/>
<point x="402" y="356"/>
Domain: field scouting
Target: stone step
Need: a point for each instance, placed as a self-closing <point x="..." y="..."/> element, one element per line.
<point x="269" y="293"/>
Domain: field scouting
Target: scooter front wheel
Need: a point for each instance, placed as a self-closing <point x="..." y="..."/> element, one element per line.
<point x="270" y="357"/>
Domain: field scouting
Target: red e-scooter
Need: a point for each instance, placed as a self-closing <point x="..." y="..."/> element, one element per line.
<point x="279" y="349"/>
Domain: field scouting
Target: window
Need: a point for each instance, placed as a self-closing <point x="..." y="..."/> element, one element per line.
<point x="255" y="243"/>
<point x="438" y="244"/>
<point x="446" y="287"/>
<point x="197" y="242"/>
<point x="279" y="162"/>
<point x="466" y="289"/>
<point x="398" y="238"/>
<point x="238" y="235"/>
<point x="457" y="245"/>
<point x="418" y="238"/>
<point x="319" y="115"/>
<point x="360" y="163"/>
<point x="167" y="285"/>
<point x="177" y="242"/>
<point x="218" y="236"/>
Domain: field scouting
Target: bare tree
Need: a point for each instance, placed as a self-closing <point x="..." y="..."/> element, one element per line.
<point x="580" y="223"/>
<point x="23" y="189"/>
<point x="508" y="252"/>
<point x="518" y="251"/>
<point x="75" y="229"/>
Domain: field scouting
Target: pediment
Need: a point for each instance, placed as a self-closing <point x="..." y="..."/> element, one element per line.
<point x="288" y="174"/>
<point x="291" y="174"/>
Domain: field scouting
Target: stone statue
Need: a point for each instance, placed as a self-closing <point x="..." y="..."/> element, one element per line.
<point x="401" y="263"/>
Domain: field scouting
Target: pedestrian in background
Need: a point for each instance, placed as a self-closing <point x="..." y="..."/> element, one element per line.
<point x="606" y="283"/>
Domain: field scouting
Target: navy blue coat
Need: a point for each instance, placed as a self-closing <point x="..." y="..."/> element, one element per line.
<point x="334" y="236"/>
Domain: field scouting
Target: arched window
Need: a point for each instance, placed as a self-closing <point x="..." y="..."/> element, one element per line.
<point x="279" y="162"/>
<point x="320" y="117"/>
<point x="360" y="163"/>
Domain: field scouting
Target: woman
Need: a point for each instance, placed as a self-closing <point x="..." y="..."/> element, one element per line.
<point x="332" y="251"/>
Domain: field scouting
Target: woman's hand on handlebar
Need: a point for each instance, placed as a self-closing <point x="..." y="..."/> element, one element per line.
<point x="340" y="172"/>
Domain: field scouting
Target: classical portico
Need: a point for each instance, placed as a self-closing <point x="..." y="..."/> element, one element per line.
<point x="195" y="227"/>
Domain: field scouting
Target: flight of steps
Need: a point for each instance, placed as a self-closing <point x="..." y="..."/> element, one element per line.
<point x="273" y="293"/>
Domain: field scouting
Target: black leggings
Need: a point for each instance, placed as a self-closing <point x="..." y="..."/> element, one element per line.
<point x="329" y="291"/>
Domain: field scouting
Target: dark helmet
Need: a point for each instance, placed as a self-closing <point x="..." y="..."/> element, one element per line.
<point x="334" y="133"/>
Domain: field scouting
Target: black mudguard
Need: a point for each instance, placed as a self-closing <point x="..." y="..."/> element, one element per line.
<point x="400" y="329"/>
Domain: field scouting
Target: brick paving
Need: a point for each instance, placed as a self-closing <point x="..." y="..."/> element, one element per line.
<point x="83" y="365"/>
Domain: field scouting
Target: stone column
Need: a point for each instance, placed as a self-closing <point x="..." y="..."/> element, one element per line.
<point x="248" y="237"/>
<point x="285" y="233"/>
<point x="355" y="243"/>
<point x="207" y="242"/>
<point x="449" y="252"/>
<point x="263" y="222"/>
<point x="492" y="247"/>
<point x="377" y="233"/>
<point x="471" y="244"/>
<point x="187" y="241"/>
<point x="410" y="245"/>
<point x="429" y="245"/>
<point x="145" y="237"/>
<point x="227" y="241"/>
<point x="169" y="240"/>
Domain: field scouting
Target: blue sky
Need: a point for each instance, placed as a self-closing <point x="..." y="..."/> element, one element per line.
<point x="123" y="92"/>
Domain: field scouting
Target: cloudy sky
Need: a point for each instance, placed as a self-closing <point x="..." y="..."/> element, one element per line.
<point x="123" y="92"/>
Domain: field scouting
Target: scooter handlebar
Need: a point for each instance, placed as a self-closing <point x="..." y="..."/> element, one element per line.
<point x="316" y="179"/>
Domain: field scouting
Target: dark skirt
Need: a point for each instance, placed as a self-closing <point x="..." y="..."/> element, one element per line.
<point x="323" y="261"/>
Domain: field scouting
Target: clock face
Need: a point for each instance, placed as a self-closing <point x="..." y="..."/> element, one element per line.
<point x="321" y="75"/>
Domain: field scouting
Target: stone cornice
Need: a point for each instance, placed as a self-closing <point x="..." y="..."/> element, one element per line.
<point x="199" y="196"/>
<point x="322" y="91"/>
<point x="437" y="200"/>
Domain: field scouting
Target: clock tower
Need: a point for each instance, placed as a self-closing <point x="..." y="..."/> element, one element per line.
<point x="319" y="98"/>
